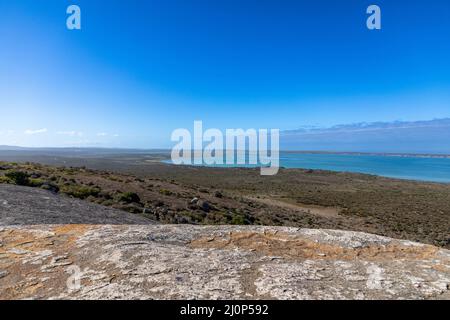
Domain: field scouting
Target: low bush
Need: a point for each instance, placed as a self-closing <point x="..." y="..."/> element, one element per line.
<point x="49" y="186"/>
<point x="129" y="197"/>
<point x="18" y="177"/>
<point x="81" y="192"/>
<point x="166" y="192"/>
<point x="35" y="182"/>
<point x="4" y="179"/>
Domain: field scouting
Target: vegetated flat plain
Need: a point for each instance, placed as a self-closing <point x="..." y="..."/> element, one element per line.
<point x="138" y="182"/>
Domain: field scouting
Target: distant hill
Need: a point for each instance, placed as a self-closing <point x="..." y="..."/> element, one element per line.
<point x="11" y="148"/>
<point x="81" y="151"/>
<point x="385" y="137"/>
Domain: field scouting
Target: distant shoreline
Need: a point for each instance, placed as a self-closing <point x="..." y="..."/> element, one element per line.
<point x="94" y="150"/>
<point x="383" y="154"/>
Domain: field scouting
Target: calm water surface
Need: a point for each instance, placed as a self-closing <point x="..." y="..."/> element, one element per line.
<point x="406" y="167"/>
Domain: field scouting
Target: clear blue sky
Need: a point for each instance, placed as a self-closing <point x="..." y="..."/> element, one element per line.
<point x="139" y="69"/>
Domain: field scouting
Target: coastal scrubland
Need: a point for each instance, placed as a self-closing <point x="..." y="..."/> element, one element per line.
<point x="411" y="210"/>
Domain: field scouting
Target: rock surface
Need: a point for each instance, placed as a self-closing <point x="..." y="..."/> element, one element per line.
<point x="27" y="206"/>
<point x="193" y="262"/>
<point x="142" y="261"/>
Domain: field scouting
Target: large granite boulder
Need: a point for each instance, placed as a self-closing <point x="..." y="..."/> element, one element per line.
<point x="223" y="262"/>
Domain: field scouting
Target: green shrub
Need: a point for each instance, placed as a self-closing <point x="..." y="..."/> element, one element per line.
<point x="81" y="192"/>
<point x="107" y="203"/>
<point x="35" y="182"/>
<point x="4" y="179"/>
<point x="49" y="186"/>
<point x="18" y="177"/>
<point x="132" y="208"/>
<point x="238" y="220"/>
<point x="192" y="217"/>
<point x="166" y="192"/>
<point x="129" y="197"/>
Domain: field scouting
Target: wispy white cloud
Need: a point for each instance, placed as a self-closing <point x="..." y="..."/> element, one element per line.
<point x="31" y="132"/>
<point x="116" y="135"/>
<point x="102" y="134"/>
<point x="374" y="126"/>
<point x="70" y="133"/>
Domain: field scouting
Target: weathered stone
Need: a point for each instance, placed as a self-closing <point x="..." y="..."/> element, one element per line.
<point x="27" y="206"/>
<point x="216" y="262"/>
<point x="194" y="200"/>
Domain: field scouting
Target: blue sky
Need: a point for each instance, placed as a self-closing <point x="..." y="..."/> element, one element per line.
<point x="140" y="69"/>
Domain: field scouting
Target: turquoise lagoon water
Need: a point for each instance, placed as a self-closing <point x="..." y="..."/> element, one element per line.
<point x="414" y="168"/>
<point x="401" y="167"/>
